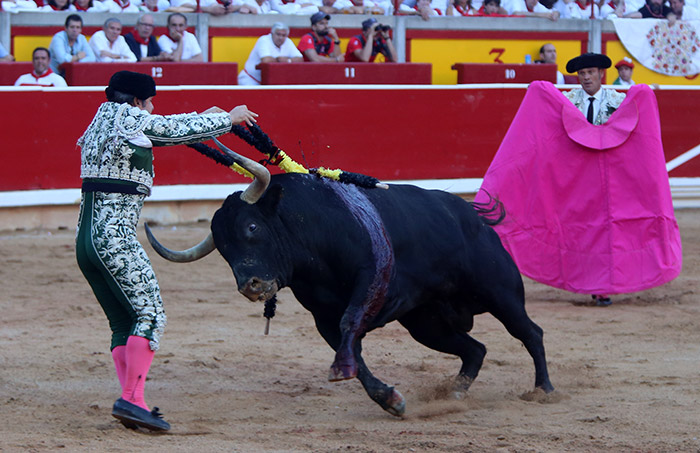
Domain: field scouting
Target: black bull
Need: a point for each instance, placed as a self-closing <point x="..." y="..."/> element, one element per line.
<point x="360" y="258"/>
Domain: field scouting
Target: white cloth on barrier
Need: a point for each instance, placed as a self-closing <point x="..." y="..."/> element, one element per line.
<point x="671" y="50"/>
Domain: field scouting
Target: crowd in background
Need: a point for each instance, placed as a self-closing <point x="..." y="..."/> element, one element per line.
<point x="551" y="9"/>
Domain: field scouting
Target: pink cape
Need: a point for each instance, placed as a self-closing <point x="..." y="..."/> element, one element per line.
<point x="588" y="208"/>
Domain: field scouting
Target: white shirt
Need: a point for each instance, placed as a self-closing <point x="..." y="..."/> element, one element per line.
<point x="114" y="7"/>
<point x="690" y="13"/>
<point x="99" y="42"/>
<point x="265" y="47"/>
<point x="190" y="46"/>
<point x="572" y="10"/>
<point x="47" y="80"/>
<point x="293" y="7"/>
<point x="162" y="5"/>
<point x="521" y="6"/>
<point x="596" y="103"/>
<point x="265" y="8"/>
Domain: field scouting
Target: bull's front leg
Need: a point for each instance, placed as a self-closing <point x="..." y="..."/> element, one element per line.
<point x="364" y="306"/>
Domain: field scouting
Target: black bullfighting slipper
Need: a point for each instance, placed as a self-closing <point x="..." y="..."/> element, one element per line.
<point x="132" y="415"/>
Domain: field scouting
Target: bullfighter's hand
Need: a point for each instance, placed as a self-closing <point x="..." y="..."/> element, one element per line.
<point x="241" y="113"/>
<point x="214" y="109"/>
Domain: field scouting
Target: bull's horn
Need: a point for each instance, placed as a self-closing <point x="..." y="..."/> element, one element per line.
<point x="185" y="256"/>
<point x="262" y="176"/>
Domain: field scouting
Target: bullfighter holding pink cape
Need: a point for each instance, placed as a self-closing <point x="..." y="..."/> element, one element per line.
<point x="588" y="207"/>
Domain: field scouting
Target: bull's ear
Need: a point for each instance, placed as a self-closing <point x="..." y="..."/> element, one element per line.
<point x="269" y="202"/>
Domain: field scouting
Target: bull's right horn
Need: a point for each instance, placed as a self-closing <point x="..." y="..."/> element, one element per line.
<point x="262" y="175"/>
<point x="185" y="256"/>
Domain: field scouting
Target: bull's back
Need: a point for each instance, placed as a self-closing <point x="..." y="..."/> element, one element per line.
<point x="438" y="238"/>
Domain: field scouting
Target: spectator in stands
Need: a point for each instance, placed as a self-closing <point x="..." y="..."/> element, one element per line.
<point x="122" y="6"/>
<point x="109" y="45"/>
<point x="273" y="47"/>
<point x="374" y="6"/>
<point x="254" y="6"/>
<point x="683" y="11"/>
<point x="154" y="6"/>
<point x="42" y="75"/>
<point x="217" y="7"/>
<point x="460" y="8"/>
<point x="55" y="5"/>
<point x="576" y="9"/>
<point x="548" y="55"/>
<point x="612" y="9"/>
<point x="624" y="71"/>
<point x="15" y="6"/>
<point x="423" y="8"/>
<point x="88" y="6"/>
<point x="340" y="6"/>
<point x="492" y="8"/>
<point x="322" y="43"/>
<point x="142" y="42"/>
<point x="5" y="55"/>
<point x="531" y="8"/>
<point x="70" y="45"/>
<point x="294" y="7"/>
<point x="654" y="9"/>
<point x="180" y="43"/>
<point x="374" y="40"/>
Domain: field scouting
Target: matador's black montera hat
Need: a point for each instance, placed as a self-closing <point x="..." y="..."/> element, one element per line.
<point x="139" y="85"/>
<point x="588" y="60"/>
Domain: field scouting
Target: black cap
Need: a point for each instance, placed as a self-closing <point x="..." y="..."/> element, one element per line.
<point x="319" y="16"/>
<point x="588" y="60"/>
<point x="368" y="23"/>
<point x="141" y="86"/>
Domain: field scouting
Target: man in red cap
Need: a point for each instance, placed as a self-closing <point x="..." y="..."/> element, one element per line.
<point x="624" y="71"/>
<point x="117" y="173"/>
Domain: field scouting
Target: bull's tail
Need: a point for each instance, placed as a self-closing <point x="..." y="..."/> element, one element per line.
<point x="492" y="211"/>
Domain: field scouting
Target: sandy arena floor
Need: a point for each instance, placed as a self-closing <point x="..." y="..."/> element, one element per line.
<point x="627" y="376"/>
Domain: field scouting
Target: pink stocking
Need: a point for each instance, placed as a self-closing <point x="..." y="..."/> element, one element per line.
<point x="138" y="361"/>
<point x="119" y="357"/>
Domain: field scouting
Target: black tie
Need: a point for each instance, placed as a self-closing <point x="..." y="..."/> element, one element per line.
<point x="589" y="117"/>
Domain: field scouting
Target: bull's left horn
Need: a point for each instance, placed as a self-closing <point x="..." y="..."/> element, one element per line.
<point x="262" y="175"/>
<point x="185" y="256"/>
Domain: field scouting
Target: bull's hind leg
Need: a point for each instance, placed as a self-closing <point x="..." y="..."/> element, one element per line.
<point x="427" y="326"/>
<point x="520" y="326"/>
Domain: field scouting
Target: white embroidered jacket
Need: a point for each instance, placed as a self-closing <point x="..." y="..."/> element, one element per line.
<point x="119" y="142"/>
<point x="609" y="102"/>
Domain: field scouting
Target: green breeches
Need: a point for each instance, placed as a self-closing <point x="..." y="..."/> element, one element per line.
<point x="117" y="268"/>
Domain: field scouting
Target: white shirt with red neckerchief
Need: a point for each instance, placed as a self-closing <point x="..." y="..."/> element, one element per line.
<point x="123" y="6"/>
<point x="99" y="42"/>
<point x="47" y="79"/>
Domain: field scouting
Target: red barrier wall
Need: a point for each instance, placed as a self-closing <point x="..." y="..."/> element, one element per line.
<point x="388" y="133"/>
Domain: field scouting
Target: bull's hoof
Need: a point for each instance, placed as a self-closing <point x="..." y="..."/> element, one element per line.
<point x="342" y="372"/>
<point x="396" y="404"/>
<point x="547" y="387"/>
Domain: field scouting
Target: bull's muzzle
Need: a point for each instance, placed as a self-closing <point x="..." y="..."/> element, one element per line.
<point x="257" y="289"/>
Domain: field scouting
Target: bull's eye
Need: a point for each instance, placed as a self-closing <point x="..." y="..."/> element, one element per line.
<point x="252" y="227"/>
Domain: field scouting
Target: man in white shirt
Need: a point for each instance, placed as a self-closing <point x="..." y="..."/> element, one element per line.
<point x="109" y="45"/>
<point x="275" y="47"/>
<point x="42" y="75"/>
<point x="530" y="8"/>
<point x="180" y="43"/>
